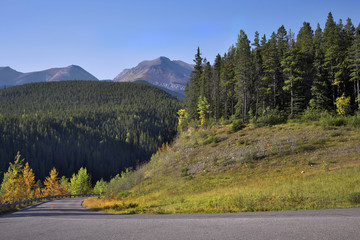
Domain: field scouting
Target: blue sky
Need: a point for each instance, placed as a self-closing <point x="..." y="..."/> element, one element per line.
<point x="106" y="36"/>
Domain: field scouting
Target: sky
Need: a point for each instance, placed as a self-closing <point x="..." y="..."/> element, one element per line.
<point x="107" y="36"/>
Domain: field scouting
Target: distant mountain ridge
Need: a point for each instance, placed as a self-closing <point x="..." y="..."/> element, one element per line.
<point x="161" y="72"/>
<point x="11" y="77"/>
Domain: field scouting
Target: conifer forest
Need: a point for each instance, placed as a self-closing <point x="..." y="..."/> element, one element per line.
<point x="281" y="75"/>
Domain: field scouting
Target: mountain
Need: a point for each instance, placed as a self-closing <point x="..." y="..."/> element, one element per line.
<point x="103" y="126"/>
<point x="161" y="72"/>
<point x="7" y="75"/>
<point x="10" y="77"/>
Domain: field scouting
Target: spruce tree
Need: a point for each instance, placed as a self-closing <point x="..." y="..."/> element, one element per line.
<point x="304" y="45"/>
<point x="257" y="72"/>
<point x="354" y="65"/>
<point x="321" y="87"/>
<point x="215" y="87"/>
<point x="242" y="73"/>
<point x="193" y="89"/>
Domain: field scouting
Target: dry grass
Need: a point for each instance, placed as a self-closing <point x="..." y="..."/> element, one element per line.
<point x="289" y="166"/>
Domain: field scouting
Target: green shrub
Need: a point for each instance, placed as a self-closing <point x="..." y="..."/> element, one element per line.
<point x="271" y="117"/>
<point x="353" y="121"/>
<point x="312" y="114"/>
<point x="237" y="125"/>
<point x="354" y="198"/>
<point x="333" y="121"/>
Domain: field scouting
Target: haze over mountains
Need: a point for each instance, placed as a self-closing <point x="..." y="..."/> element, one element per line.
<point x="171" y="76"/>
<point x="11" y="77"/>
<point x="161" y="72"/>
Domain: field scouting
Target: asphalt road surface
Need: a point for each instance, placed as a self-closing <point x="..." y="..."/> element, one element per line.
<point x="66" y="219"/>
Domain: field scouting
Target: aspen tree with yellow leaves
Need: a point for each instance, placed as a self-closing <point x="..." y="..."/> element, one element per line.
<point x="52" y="186"/>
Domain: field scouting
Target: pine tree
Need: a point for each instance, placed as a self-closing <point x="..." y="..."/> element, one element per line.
<point x="257" y="71"/>
<point x="271" y="67"/>
<point x="321" y="87"/>
<point x="242" y="73"/>
<point x="215" y="87"/>
<point x="228" y="83"/>
<point x="193" y="89"/>
<point x="293" y="75"/>
<point x="305" y="46"/>
<point x="354" y="65"/>
<point x="332" y="50"/>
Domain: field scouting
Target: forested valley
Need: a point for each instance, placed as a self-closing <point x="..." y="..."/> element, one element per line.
<point x="103" y="126"/>
<point x="271" y="80"/>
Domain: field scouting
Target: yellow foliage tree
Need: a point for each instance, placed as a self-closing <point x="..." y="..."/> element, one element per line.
<point x="12" y="187"/>
<point x="52" y="186"/>
<point x="343" y="105"/>
<point x="29" y="181"/>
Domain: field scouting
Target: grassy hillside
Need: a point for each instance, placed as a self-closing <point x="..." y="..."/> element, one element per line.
<point x="103" y="126"/>
<point x="289" y="166"/>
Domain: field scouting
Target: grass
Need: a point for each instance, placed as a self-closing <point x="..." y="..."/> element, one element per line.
<point x="284" y="167"/>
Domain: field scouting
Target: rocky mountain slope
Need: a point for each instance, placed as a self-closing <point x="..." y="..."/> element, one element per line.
<point x="10" y="77"/>
<point x="161" y="72"/>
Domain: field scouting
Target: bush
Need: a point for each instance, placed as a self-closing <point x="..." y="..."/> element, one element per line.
<point x="353" y="121"/>
<point x="354" y="198"/>
<point x="333" y="121"/>
<point x="312" y="114"/>
<point x="271" y="117"/>
<point x="237" y="125"/>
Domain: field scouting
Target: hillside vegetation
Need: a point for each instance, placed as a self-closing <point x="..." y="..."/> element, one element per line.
<point x="284" y="167"/>
<point x="105" y="127"/>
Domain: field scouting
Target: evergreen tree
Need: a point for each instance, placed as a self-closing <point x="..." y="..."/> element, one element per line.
<point x="354" y="65"/>
<point x="332" y="50"/>
<point x="271" y="67"/>
<point x="293" y="75"/>
<point x="228" y="83"/>
<point x="193" y="89"/>
<point x="305" y="46"/>
<point x="257" y="72"/>
<point x="215" y="88"/>
<point x="242" y="73"/>
<point x="321" y="87"/>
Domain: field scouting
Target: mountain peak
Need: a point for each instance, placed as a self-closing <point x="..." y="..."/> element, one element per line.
<point x="10" y="77"/>
<point x="161" y="72"/>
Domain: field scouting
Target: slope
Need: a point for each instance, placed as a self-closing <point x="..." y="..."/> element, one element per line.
<point x="10" y="77"/>
<point x="103" y="126"/>
<point x="290" y="166"/>
<point x="161" y="72"/>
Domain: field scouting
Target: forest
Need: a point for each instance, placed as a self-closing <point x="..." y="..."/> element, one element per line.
<point x="282" y="76"/>
<point x="103" y="126"/>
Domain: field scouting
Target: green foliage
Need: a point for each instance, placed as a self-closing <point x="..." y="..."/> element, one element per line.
<point x="123" y="182"/>
<point x="312" y="114"/>
<point x="354" y="198"/>
<point x="203" y="110"/>
<point x="284" y="73"/>
<point x="270" y="117"/>
<point x="237" y="125"/>
<point x="100" y="187"/>
<point x="72" y="124"/>
<point x="80" y="182"/>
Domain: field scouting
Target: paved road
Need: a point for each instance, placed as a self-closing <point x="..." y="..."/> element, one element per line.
<point x="66" y="219"/>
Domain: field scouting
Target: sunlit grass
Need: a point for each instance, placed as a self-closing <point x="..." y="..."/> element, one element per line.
<point x="285" y="167"/>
